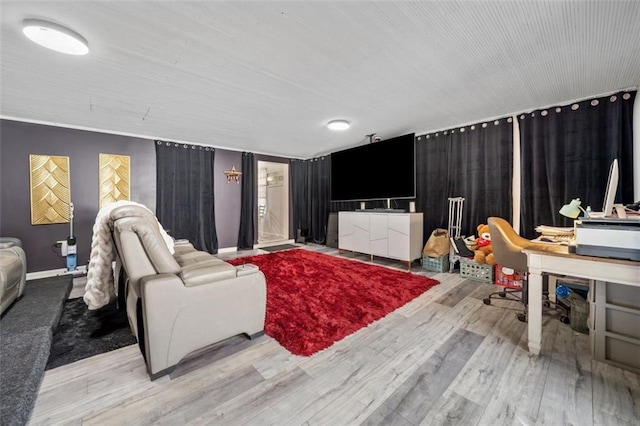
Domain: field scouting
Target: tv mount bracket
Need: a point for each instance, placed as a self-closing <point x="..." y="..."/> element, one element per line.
<point x="373" y="138"/>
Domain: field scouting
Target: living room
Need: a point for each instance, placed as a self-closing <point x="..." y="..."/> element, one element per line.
<point x="265" y="80"/>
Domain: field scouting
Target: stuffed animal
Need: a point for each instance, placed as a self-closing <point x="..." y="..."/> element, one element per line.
<point x="484" y="253"/>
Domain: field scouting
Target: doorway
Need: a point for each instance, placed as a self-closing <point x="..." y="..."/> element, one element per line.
<point x="273" y="203"/>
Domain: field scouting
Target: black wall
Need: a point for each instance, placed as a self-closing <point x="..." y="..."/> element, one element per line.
<point x="19" y="140"/>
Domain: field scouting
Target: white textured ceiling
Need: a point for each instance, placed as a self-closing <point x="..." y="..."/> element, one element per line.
<point x="266" y="76"/>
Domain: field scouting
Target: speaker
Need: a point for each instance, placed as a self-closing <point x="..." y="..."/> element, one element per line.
<point x="332" y="230"/>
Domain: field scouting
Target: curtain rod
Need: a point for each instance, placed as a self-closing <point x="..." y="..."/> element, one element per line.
<point x="564" y="103"/>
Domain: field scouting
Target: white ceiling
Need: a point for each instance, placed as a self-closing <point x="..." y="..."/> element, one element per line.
<point x="267" y="76"/>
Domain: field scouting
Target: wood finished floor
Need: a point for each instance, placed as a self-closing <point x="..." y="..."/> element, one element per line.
<point x="445" y="358"/>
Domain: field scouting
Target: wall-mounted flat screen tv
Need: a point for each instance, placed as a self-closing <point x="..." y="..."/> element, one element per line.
<point x="376" y="171"/>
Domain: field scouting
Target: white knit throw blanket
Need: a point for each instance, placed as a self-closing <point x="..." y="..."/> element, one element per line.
<point x="100" y="283"/>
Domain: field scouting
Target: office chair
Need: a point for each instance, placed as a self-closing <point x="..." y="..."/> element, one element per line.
<point x="507" y="252"/>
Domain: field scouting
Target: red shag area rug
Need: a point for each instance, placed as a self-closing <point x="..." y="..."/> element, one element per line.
<point x="314" y="299"/>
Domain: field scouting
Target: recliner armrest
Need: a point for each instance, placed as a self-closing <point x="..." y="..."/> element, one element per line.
<point x="246" y="269"/>
<point x="6" y="245"/>
<point x="207" y="274"/>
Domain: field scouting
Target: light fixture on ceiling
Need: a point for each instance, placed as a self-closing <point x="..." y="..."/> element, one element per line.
<point x="338" y="125"/>
<point x="55" y="37"/>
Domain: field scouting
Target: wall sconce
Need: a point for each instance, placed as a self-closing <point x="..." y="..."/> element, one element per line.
<point x="233" y="175"/>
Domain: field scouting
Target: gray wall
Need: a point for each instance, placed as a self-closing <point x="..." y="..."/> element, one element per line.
<point x="19" y="140"/>
<point x="227" y="198"/>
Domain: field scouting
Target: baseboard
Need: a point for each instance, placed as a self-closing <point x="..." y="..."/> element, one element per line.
<point x="228" y="250"/>
<point x="274" y="243"/>
<point x="81" y="270"/>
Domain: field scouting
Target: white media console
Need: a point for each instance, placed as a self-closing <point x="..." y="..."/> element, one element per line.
<point x="391" y="235"/>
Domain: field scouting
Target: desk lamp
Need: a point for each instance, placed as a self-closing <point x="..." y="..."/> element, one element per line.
<point x="572" y="210"/>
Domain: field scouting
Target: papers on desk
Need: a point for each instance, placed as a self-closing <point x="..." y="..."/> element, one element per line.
<point x="554" y="230"/>
<point x="563" y="240"/>
<point x="555" y="235"/>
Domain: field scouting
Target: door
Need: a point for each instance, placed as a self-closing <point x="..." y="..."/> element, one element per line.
<point x="273" y="202"/>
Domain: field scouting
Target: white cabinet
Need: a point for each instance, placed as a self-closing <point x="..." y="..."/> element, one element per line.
<point x="392" y="235"/>
<point x="613" y="324"/>
<point x="378" y="235"/>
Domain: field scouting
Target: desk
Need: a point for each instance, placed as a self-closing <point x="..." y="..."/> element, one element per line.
<point x="565" y="263"/>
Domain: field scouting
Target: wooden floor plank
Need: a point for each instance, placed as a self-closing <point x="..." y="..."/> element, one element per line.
<point x="418" y="394"/>
<point x="354" y="368"/>
<point x="485" y="318"/>
<point x="518" y="394"/>
<point x="197" y="394"/>
<point x="249" y="406"/>
<point x="383" y="374"/>
<point x="386" y="416"/>
<point x="372" y="390"/>
<point x="616" y="395"/>
<point x="454" y="410"/>
<point x="479" y="378"/>
<point x="568" y="383"/>
<point x="211" y="354"/>
<point x="455" y="295"/>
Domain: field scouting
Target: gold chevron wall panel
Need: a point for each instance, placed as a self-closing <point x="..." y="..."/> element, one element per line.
<point x="114" y="178"/>
<point x="50" y="189"/>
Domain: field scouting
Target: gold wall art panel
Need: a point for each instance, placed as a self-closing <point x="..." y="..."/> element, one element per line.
<point x="50" y="189"/>
<point x="114" y="178"/>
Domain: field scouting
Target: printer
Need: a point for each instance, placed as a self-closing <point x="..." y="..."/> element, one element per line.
<point x="608" y="237"/>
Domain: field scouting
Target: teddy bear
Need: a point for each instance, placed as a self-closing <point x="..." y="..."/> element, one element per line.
<point x="484" y="252"/>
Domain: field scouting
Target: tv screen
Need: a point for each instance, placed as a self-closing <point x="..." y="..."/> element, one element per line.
<point x="376" y="171"/>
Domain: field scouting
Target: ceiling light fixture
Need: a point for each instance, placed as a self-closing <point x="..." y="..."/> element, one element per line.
<point x="55" y="37"/>
<point x="338" y="125"/>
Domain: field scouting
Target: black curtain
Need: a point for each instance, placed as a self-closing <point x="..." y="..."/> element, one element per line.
<point x="474" y="162"/>
<point x="184" y="199"/>
<point x="319" y="194"/>
<point x="311" y="199"/>
<point x="248" y="221"/>
<point x="566" y="153"/>
<point x="299" y="190"/>
<point x="432" y="156"/>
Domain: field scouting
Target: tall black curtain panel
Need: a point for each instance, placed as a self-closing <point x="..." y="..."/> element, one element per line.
<point x="481" y="170"/>
<point x="474" y="162"/>
<point x="319" y="195"/>
<point x="184" y="200"/>
<point x="301" y="205"/>
<point x="566" y="153"/>
<point x="248" y="225"/>
<point x="431" y="181"/>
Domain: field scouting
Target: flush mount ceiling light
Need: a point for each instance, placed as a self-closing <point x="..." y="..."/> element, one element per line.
<point x="55" y="37"/>
<point x="338" y="125"/>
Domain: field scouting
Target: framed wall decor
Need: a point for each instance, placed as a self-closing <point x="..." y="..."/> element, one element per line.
<point x="115" y="177"/>
<point x="49" y="184"/>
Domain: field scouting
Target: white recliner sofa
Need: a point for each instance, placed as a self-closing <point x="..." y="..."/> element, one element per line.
<point x="13" y="271"/>
<point x="179" y="303"/>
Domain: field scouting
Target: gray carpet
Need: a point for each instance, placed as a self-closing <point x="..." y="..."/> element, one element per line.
<point x="26" y="333"/>
<point x="279" y="247"/>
